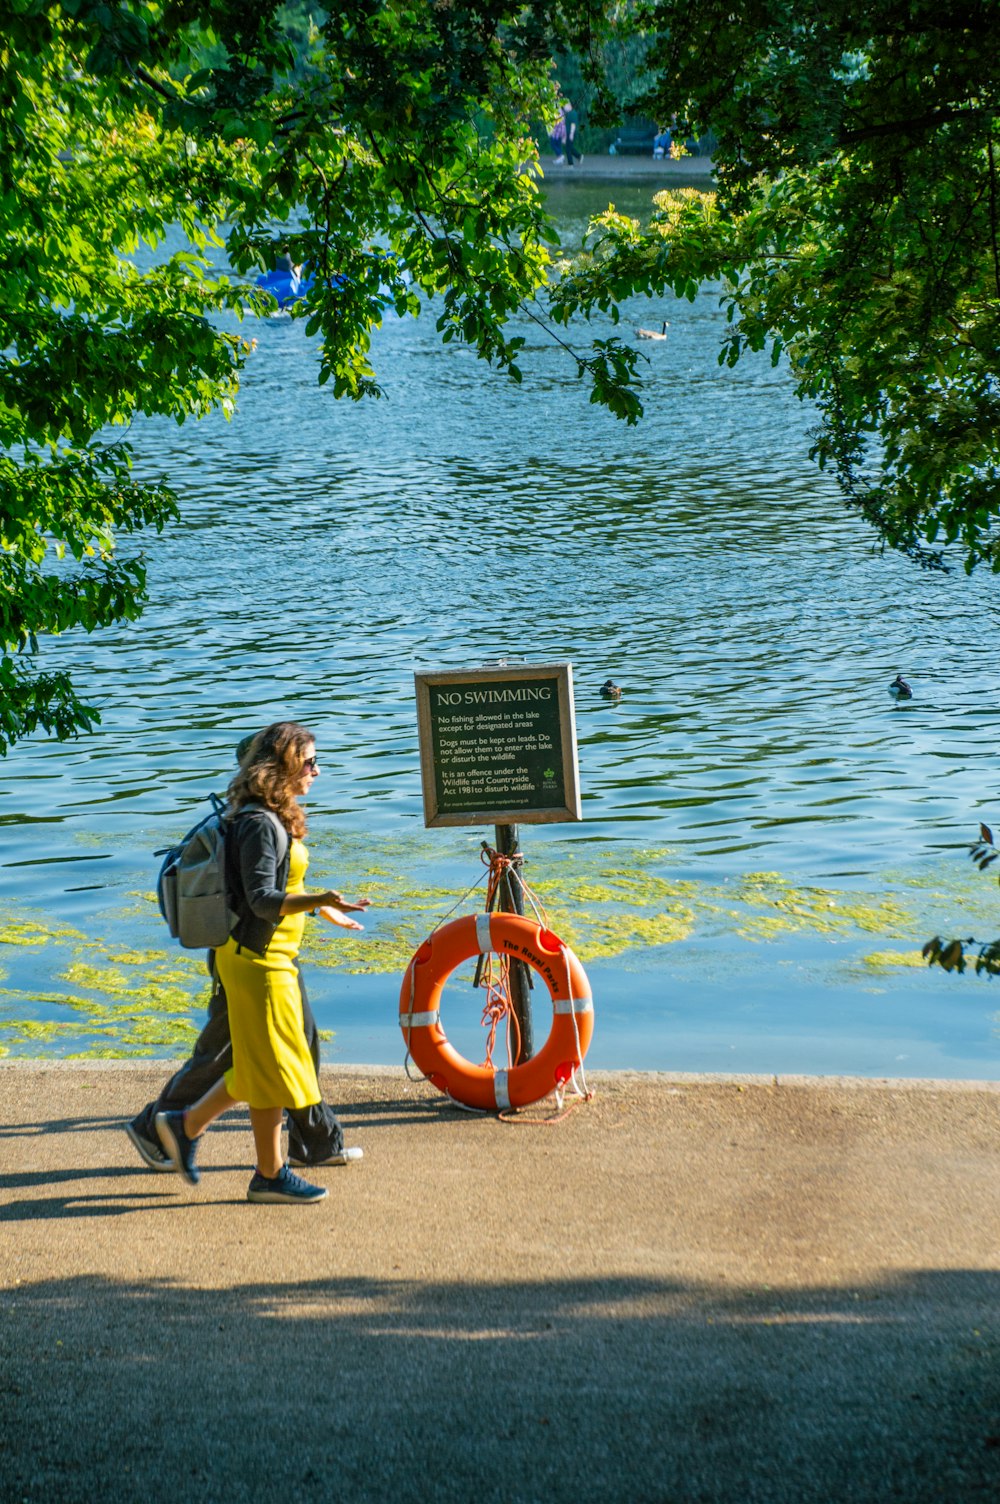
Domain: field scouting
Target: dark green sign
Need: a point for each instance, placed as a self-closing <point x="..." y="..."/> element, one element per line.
<point x="496" y="746"/>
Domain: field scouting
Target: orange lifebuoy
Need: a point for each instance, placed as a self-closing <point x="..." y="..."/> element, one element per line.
<point x="483" y="1086"/>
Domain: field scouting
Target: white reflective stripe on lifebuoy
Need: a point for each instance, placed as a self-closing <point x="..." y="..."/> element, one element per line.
<point x="483" y="934"/>
<point x="419" y="1020"/>
<point x="573" y="1005"/>
<point x="500" y="1090"/>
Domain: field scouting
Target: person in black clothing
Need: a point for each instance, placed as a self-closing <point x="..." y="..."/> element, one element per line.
<point x="572" y="120"/>
<point x="315" y="1136"/>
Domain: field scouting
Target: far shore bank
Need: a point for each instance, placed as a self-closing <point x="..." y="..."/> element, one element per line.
<point x="663" y="171"/>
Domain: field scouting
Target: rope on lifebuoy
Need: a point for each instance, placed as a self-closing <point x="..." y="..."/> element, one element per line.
<point x="407" y="1031"/>
<point x="580" y="1088"/>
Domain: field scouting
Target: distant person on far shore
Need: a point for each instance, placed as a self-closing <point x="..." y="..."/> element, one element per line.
<point x="571" y="120"/>
<point x="557" y="140"/>
<point x="661" y="142"/>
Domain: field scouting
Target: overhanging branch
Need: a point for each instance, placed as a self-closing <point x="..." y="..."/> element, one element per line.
<point x="914" y="125"/>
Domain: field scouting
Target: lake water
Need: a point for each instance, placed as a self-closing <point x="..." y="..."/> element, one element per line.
<point x="767" y="839"/>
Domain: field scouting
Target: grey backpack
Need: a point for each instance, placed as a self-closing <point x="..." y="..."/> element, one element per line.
<point x="191" y="888"/>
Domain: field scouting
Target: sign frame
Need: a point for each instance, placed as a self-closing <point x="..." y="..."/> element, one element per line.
<point x="490" y="677"/>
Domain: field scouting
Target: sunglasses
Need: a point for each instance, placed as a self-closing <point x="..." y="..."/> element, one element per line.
<point x="312" y="763"/>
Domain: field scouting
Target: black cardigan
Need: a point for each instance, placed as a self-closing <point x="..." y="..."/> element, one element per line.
<point x="258" y="881"/>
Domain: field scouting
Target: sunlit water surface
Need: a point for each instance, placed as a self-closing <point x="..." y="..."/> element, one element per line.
<point x="767" y="838"/>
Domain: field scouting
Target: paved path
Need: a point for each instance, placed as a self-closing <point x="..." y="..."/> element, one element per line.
<point x="662" y="173"/>
<point x="686" y="1291"/>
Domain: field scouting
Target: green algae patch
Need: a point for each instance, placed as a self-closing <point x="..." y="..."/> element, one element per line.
<point x="101" y="978"/>
<point x="774" y="906"/>
<point x="22" y="997"/>
<point x="398" y="923"/>
<point x="156" y="1033"/>
<point x="21" y="1034"/>
<point x="158" y="989"/>
<point x="638" y="888"/>
<point x="132" y="1025"/>
<point x="107" y="994"/>
<point x="610" y="909"/>
<point x="121" y="956"/>
<point x="603" y="907"/>
<point x="101" y="1037"/>
<point x="599" y="937"/>
<point x="103" y="1052"/>
<point x="126" y="990"/>
<point x="14" y="931"/>
<point x="602" y="911"/>
<point x="882" y="962"/>
<point x="36" y="1029"/>
<point x="387" y="951"/>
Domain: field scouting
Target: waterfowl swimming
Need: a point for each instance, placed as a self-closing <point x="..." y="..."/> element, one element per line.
<point x="899" y="689"/>
<point x="652" y="333"/>
<point x="610" y="690"/>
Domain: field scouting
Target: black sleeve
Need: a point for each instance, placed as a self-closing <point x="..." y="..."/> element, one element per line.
<point x="257" y="854"/>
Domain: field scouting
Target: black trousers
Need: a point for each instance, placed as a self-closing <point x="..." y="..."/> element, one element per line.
<point x="314" y="1133"/>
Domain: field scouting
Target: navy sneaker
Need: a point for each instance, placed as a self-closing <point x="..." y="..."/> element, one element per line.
<point x="182" y="1150"/>
<point x="285" y="1186"/>
<point x="345" y="1157"/>
<point x="150" y="1150"/>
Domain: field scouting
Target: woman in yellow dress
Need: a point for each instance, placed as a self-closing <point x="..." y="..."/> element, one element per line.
<point x="266" y="865"/>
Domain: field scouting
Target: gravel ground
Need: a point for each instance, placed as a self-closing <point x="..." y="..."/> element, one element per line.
<point x="687" y="1290"/>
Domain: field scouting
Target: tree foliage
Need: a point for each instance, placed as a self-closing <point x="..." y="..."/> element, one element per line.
<point x="87" y="341"/>
<point x="952" y="955"/>
<point x="382" y="145"/>
<point x="855" y="228"/>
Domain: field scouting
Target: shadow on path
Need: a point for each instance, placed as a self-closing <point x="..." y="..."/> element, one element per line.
<point x="354" y="1389"/>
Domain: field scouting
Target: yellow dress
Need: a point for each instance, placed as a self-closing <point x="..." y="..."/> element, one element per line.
<point x="272" y="1066"/>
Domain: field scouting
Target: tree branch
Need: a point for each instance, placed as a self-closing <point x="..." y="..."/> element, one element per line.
<point x="993" y="215"/>
<point x="916" y="123"/>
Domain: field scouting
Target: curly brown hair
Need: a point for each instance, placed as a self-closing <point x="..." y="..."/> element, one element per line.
<point x="269" y="771"/>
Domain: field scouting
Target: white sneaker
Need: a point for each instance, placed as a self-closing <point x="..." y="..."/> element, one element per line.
<point x="345" y="1157"/>
<point x="559" y="161"/>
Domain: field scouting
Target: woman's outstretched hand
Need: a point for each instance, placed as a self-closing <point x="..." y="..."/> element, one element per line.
<point x="338" y="901"/>
<point x="337" y="916"/>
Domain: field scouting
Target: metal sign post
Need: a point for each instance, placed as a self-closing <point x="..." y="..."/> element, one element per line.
<point x="518" y="972"/>
<point x="498" y="746"/>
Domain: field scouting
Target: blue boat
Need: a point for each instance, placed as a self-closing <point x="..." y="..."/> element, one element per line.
<point x="289" y="284"/>
<point x="285" y="286"/>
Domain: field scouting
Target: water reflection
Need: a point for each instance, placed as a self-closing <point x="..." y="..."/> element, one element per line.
<point x="326" y="550"/>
